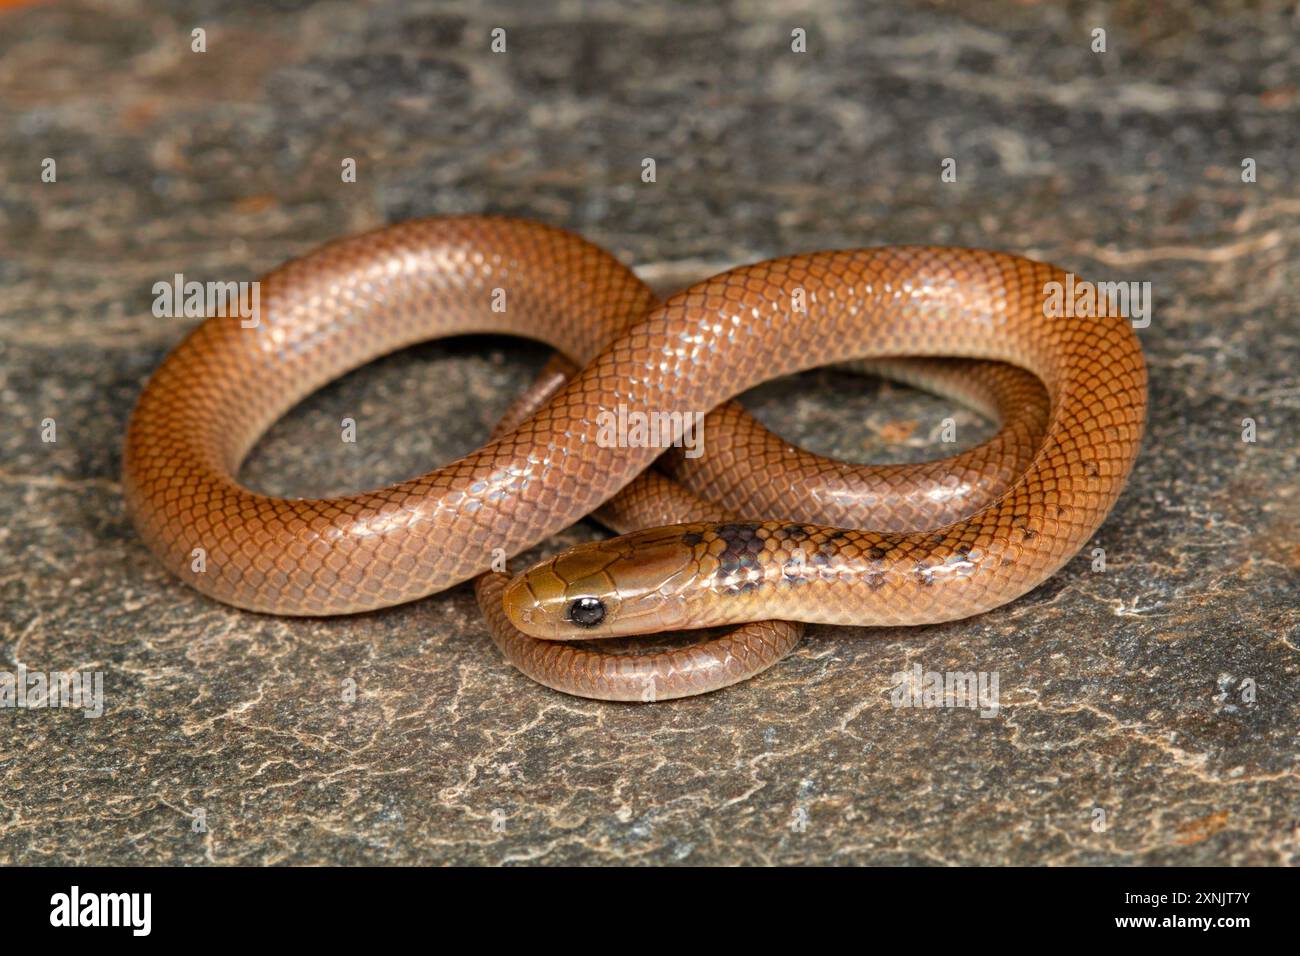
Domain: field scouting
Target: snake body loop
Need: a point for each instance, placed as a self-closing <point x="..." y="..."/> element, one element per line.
<point x="878" y="496"/>
<point x="359" y="298"/>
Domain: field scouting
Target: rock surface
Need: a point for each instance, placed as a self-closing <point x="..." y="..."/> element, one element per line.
<point x="1148" y="713"/>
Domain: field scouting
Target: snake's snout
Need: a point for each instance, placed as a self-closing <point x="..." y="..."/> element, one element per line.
<point x="615" y="588"/>
<point x="565" y="598"/>
<point x="525" y="610"/>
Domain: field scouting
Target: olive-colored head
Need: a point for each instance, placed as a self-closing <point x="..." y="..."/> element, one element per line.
<point x="636" y="584"/>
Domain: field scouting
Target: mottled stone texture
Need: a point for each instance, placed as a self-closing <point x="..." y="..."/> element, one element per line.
<point x="1121" y="691"/>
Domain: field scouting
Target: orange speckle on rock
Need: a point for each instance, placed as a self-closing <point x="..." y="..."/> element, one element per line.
<point x="1194" y="831"/>
<point x="1277" y="98"/>
<point x="257" y="203"/>
<point x="897" y="431"/>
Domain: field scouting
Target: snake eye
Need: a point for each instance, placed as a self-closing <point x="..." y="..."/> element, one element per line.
<point x="587" y="611"/>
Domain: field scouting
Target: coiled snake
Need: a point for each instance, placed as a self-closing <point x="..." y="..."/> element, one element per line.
<point x="769" y="552"/>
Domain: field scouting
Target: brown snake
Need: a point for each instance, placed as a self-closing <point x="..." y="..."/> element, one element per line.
<point x="742" y="466"/>
<point x="353" y="300"/>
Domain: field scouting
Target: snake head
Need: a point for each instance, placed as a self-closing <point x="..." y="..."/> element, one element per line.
<point x="635" y="584"/>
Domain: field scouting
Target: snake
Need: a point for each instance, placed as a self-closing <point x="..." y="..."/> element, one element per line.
<point x="738" y="469"/>
<point x="765" y="568"/>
